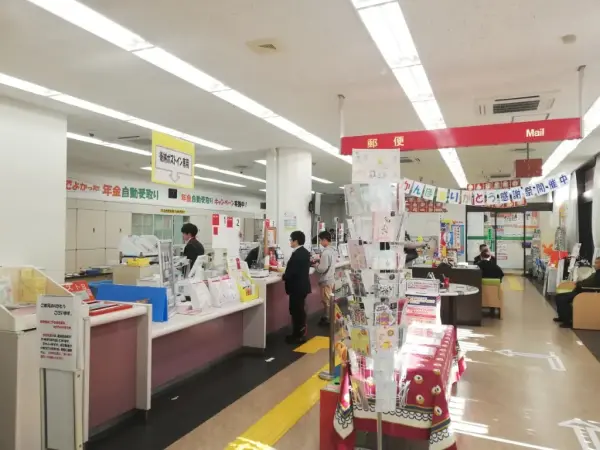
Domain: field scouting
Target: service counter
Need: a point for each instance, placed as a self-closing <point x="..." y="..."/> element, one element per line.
<point x="468" y="307"/>
<point x="272" y="289"/>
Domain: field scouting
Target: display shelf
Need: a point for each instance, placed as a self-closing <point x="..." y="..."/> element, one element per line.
<point x="182" y="321"/>
<point x="102" y="319"/>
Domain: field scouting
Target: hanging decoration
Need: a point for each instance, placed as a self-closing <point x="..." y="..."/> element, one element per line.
<point x="498" y="198"/>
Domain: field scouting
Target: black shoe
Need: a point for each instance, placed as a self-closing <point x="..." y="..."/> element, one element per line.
<point x="323" y="322"/>
<point x="566" y="325"/>
<point x="557" y="319"/>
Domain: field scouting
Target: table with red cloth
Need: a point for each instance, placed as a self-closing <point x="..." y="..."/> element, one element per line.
<point x="425" y="416"/>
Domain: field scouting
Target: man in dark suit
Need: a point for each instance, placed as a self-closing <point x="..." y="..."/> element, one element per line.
<point x="482" y="249"/>
<point x="564" y="302"/>
<point x="297" y="286"/>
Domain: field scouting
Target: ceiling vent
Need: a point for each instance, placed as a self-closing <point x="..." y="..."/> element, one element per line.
<point x="407" y="160"/>
<point x="136" y="140"/>
<point x="498" y="176"/>
<point x="263" y="46"/>
<point x="515" y="106"/>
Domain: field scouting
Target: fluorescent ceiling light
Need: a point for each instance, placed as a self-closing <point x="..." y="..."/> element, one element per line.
<point x="322" y="180"/>
<point x="591" y="121"/>
<point x="95" y="23"/>
<point x="210" y="180"/>
<point x="588" y="194"/>
<point x="7" y="80"/>
<point x="342" y="187"/>
<point x="73" y="101"/>
<point x="387" y="26"/>
<point x="92" y="107"/>
<point x="245" y="103"/>
<point x="230" y="173"/>
<point x="91" y="140"/>
<point x="175" y="66"/>
<point x="264" y="190"/>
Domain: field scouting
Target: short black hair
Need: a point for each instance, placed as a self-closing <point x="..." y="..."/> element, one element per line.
<point x="481" y="246"/>
<point x="325" y="235"/>
<point x="189" y="228"/>
<point x="298" y="236"/>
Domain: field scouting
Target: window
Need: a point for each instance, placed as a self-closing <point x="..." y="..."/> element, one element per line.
<point x="163" y="226"/>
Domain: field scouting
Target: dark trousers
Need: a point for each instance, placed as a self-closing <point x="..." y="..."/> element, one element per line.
<point x="298" y="313"/>
<point x="564" y="306"/>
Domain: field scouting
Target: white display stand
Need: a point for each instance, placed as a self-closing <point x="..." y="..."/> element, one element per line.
<point x="42" y="387"/>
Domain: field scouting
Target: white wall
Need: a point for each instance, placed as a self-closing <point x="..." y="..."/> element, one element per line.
<point x="32" y="186"/>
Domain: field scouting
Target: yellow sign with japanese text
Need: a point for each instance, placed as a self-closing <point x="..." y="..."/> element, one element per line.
<point x="172" y="161"/>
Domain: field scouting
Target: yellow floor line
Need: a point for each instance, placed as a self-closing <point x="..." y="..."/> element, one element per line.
<point x="515" y="283"/>
<point x="314" y="345"/>
<point x="272" y="426"/>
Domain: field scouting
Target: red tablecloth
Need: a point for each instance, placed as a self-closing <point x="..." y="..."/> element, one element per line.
<point x="425" y="415"/>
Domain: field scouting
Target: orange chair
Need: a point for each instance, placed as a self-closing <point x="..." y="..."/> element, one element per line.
<point x="491" y="295"/>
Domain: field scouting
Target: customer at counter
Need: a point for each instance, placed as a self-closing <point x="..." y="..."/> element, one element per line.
<point x="483" y="248"/>
<point x="252" y="258"/>
<point x="326" y="268"/>
<point x="193" y="248"/>
<point x="410" y="248"/>
<point x="297" y="286"/>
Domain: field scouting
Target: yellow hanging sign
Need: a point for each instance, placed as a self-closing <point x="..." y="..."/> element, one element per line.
<point x="172" y="161"/>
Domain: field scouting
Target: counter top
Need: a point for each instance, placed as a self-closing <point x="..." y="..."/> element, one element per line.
<point x="182" y="321"/>
<point x="102" y="319"/>
<point x="276" y="278"/>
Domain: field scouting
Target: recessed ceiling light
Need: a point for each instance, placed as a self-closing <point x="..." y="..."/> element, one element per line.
<point x="210" y="180"/>
<point x="98" y="109"/>
<point x="89" y="20"/>
<point x="387" y="26"/>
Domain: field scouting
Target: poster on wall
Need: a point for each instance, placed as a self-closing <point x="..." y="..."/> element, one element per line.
<point x="452" y="237"/>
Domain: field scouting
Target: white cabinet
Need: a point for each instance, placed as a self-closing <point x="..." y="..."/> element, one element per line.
<point x="91" y="258"/>
<point x="91" y="226"/>
<point x="71" y="261"/>
<point x="71" y="229"/>
<point x="118" y="224"/>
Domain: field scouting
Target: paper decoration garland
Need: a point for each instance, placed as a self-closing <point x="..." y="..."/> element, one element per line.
<point x="490" y="197"/>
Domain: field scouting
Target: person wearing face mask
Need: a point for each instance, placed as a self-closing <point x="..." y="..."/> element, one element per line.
<point x="193" y="248"/>
<point x="488" y="266"/>
<point x="483" y="248"/>
<point x="297" y="286"/>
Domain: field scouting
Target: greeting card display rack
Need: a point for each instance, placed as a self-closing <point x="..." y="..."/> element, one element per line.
<point x="372" y="331"/>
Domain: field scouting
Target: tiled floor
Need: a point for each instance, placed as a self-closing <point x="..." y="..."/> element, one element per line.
<point x="525" y="377"/>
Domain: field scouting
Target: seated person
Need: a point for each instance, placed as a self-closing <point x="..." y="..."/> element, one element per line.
<point x="488" y="266"/>
<point x="564" y="302"/>
<point x="483" y="248"/>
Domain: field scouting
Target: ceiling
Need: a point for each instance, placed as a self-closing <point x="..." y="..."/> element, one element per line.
<point x="471" y="54"/>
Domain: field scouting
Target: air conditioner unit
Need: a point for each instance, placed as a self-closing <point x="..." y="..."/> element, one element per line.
<point x="535" y="104"/>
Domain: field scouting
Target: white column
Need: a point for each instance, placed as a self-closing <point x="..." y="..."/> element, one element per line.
<point x="289" y="186"/>
<point x="33" y="145"/>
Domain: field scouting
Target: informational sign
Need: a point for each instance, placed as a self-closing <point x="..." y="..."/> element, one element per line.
<point x="586" y="432"/>
<point x="172" y="211"/>
<point x="553" y="359"/>
<point x="58" y="325"/>
<point x="290" y="222"/>
<point x="172" y="161"/>
<point x="423" y="286"/>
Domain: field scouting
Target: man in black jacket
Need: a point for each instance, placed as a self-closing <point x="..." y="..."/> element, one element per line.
<point x="489" y="267"/>
<point x="483" y="248"/>
<point x="564" y="302"/>
<point x="297" y="286"/>
<point x="193" y="248"/>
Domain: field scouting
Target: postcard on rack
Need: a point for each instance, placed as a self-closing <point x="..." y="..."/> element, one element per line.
<point x="361" y="340"/>
<point x="356" y="249"/>
<point x="387" y="338"/>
